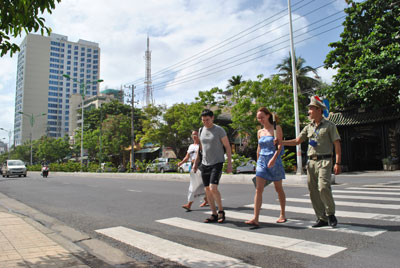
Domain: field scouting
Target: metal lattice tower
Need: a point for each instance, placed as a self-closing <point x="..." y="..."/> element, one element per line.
<point x="148" y="88"/>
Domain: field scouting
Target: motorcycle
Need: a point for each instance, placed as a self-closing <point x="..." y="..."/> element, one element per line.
<point x="45" y="171"/>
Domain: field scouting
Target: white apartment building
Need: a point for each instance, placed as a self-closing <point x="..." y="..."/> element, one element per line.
<point x="93" y="102"/>
<point x="42" y="93"/>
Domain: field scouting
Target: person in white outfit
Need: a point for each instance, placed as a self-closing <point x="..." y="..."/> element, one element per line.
<point x="196" y="187"/>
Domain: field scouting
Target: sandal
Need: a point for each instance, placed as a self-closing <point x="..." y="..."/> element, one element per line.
<point x="204" y="204"/>
<point x="187" y="208"/>
<point x="213" y="218"/>
<point x="281" y="220"/>
<point x="221" y="216"/>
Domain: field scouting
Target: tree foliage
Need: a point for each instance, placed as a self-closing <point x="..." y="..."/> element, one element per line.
<point x="272" y="93"/>
<point x="18" y="16"/>
<point x="94" y="117"/>
<point x="116" y="135"/>
<point x="52" y="150"/>
<point x="171" y="126"/>
<point x="306" y="84"/>
<point x="368" y="56"/>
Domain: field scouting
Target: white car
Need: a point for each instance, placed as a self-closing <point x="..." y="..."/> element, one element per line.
<point x="162" y="165"/>
<point x="248" y="167"/>
<point x="13" y="167"/>
<point x="184" y="168"/>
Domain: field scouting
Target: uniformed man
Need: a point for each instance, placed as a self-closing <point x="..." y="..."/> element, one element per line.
<point x="322" y="135"/>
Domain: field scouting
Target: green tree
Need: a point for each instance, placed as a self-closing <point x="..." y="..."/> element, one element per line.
<point x="180" y="120"/>
<point x="52" y="150"/>
<point x="22" y="152"/>
<point x="305" y="83"/>
<point x="94" y="117"/>
<point x="18" y="16"/>
<point x="151" y="122"/>
<point x="368" y="56"/>
<point x="272" y="93"/>
<point x="116" y="136"/>
<point x="234" y="81"/>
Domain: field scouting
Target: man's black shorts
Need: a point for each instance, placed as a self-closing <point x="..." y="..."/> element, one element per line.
<point x="211" y="174"/>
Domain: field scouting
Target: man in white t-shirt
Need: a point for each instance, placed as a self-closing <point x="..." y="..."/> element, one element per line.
<point x="196" y="187"/>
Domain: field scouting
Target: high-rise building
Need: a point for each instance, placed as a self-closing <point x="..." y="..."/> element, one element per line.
<point x="42" y="89"/>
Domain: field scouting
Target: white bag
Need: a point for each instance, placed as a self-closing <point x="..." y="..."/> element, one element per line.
<point x="196" y="187"/>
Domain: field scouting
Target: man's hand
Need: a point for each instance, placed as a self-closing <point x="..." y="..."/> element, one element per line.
<point x="337" y="169"/>
<point x="229" y="167"/>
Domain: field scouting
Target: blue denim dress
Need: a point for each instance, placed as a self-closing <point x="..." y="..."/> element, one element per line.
<point x="267" y="150"/>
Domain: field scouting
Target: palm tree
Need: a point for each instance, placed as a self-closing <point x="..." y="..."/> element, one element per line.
<point x="234" y="81"/>
<point x="306" y="84"/>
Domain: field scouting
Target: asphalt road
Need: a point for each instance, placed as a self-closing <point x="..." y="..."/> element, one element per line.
<point x="367" y="235"/>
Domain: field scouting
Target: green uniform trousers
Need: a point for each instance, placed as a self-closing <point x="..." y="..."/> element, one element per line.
<point x="319" y="185"/>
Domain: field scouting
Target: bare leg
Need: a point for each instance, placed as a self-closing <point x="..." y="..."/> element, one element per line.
<point x="260" y="182"/>
<point x="282" y="200"/>
<point x="216" y="195"/>
<point x="210" y="199"/>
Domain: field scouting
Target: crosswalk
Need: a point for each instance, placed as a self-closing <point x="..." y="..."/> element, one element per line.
<point x="378" y="203"/>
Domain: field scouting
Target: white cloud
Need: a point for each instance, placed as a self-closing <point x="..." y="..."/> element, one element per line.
<point x="327" y="74"/>
<point x="178" y="30"/>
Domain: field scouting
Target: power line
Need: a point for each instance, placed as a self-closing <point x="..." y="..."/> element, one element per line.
<point x="162" y="86"/>
<point x="244" y="57"/>
<point x="246" y="42"/>
<point x="213" y="47"/>
<point x="196" y="75"/>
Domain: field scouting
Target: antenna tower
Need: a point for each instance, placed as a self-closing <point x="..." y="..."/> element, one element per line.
<point x="148" y="88"/>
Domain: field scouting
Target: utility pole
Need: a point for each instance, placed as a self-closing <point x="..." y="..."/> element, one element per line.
<point x="132" y="166"/>
<point x="295" y="98"/>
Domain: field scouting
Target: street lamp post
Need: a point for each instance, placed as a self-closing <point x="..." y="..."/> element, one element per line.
<point x="82" y="87"/>
<point x="9" y="137"/>
<point x="31" y="121"/>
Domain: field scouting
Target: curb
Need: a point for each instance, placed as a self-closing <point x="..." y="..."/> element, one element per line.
<point x="89" y="251"/>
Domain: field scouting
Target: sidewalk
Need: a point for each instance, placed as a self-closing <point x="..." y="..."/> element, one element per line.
<point x="24" y="245"/>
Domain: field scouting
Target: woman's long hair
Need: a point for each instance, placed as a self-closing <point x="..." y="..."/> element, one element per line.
<point x="266" y="112"/>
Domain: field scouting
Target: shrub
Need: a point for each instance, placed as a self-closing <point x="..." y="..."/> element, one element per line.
<point x="237" y="160"/>
<point x="288" y="161"/>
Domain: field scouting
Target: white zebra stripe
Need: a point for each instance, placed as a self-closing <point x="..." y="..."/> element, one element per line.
<point x="348" y="214"/>
<point x="350" y="204"/>
<point x="169" y="250"/>
<point x="362" y="197"/>
<point x="291" y="244"/>
<point x="341" y="228"/>
<point x="364" y="192"/>
<point x="375" y="188"/>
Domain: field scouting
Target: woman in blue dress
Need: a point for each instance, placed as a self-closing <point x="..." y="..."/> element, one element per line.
<point x="269" y="164"/>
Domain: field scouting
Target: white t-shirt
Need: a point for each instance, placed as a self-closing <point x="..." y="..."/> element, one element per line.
<point x="192" y="150"/>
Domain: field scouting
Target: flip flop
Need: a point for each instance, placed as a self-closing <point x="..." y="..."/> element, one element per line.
<point x="281" y="221"/>
<point x="187" y="209"/>
<point x="252" y="223"/>
<point x="204" y="204"/>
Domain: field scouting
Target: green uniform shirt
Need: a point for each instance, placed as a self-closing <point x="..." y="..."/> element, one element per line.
<point x="325" y="134"/>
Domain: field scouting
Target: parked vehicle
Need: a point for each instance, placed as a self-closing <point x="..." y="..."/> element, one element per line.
<point x="184" y="168"/>
<point x="13" y="167"/>
<point x="162" y="165"/>
<point x="248" y="167"/>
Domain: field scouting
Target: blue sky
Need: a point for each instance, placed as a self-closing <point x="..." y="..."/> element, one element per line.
<point x="180" y="29"/>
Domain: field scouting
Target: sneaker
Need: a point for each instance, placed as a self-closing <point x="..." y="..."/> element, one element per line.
<point x="332" y="220"/>
<point x="320" y="223"/>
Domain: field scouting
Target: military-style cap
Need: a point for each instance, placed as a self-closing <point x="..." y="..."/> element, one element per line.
<point x="316" y="101"/>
